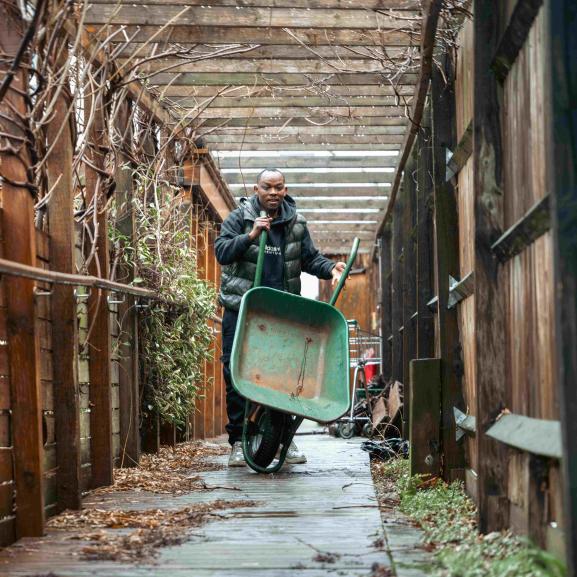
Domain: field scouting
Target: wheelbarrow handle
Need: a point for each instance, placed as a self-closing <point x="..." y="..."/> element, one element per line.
<point x="260" y="260"/>
<point x="345" y="274"/>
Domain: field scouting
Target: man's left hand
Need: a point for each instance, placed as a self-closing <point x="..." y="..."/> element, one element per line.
<point x="337" y="272"/>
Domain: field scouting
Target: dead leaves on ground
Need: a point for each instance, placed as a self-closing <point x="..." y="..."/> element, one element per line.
<point x="152" y="528"/>
<point x="168" y="471"/>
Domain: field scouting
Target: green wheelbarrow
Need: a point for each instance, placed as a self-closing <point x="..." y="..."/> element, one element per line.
<point x="290" y="360"/>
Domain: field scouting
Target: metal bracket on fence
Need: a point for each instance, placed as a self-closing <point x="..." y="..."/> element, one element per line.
<point x="81" y="296"/>
<point x="141" y="304"/>
<point x="41" y="293"/>
<point x="466" y="424"/>
<point x="115" y="302"/>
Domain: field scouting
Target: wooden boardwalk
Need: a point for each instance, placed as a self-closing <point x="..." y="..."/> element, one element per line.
<point x="316" y="519"/>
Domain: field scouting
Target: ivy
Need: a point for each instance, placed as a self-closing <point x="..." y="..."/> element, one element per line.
<point x="175" y="332"/>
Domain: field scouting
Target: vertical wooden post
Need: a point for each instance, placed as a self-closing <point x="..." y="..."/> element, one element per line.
<point x="98" y="315"/>
<point x="64" y="309"/>
<point x="209" y="365"/>
<point x="425" y="406"/>
<point x="127" y="312"/>
<point x="22" y="337"/>
<point x="386" y="299"/>
<point x="562" y="157"/>
<point x="446" y="231"/>
<point x="409" y="285"/>
<point x="489" y="296"/>
<point x="425" y="347"/>
<point x="397" y="296"/>
<point x="199" y="420"/>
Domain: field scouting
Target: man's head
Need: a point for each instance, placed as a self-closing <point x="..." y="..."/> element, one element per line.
<point x="271" y="189"/>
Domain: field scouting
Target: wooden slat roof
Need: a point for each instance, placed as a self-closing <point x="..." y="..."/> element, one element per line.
<point x="264" y="83"/>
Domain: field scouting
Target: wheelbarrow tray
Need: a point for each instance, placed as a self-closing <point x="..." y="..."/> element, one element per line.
<point x="291" y="353"/>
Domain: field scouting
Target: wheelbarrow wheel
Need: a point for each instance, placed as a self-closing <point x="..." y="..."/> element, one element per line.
<point x="265" y="436"/>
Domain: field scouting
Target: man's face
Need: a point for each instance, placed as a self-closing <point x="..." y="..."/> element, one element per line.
<point x="270" y="190"/>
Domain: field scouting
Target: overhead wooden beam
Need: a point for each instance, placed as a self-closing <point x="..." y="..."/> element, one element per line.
<point x="373" y="178"/>
<point x="264" y="35"/>
<point x="334" y="4"/>
<point x="283" y="162"/>
<point x="292" y="112"/>
<point x="261" y="52"/>
<point x="490" y="307"/>
<point x="326" y="90"/>
<point x="352" y="131"/>
<point x="313" y="191"/>
<point x="342" y="236"/>
<point x="276" y="102"/>
<point x="19" y="237"/>
<point x="282" y="78"/>
<point x="210" y="16"/>
<point x="232" y="146"/>
<point x="202" y="124"/>
<point x="305" y="140"/>
<point x="561" y="147"/>
<point x="268" y="66"/>
<point x="344" y="205"/>
<point x="314" y="225"/>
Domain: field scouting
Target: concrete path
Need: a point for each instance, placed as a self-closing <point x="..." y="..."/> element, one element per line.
<point x="313" y="520"/>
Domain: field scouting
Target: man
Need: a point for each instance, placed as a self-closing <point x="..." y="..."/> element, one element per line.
<point x="289" y="250"/>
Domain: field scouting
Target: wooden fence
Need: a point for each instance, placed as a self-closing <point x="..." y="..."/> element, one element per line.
<point x="467" y="269"/>
<point x="70" y="393"/>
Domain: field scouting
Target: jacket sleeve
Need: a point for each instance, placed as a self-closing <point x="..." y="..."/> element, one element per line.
<point x="312" y="261"/>
<point x="232" y="242"/>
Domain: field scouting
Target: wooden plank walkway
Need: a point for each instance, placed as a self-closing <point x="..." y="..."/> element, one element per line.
<point x="316" y="520"/>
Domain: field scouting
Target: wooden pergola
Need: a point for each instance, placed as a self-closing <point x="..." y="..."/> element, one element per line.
<point x="321" y="89"/>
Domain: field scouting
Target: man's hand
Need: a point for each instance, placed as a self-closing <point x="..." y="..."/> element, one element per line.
<point x="337" y="272"/>
<point x="260" y="224"/>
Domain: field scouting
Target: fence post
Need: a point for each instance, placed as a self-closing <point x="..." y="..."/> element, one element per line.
<point x="425" y="416"/>
<point x="20" y="246"/>
<point x="128" y="377"/>
<point x="98" y="315"/>
<point x="447" y="263"/>
<point x="561" y="145"/>
<point x="490" y="333"/>
<point x="64" y="308"/>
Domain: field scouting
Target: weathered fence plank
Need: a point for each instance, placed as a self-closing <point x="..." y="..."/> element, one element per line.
<point x="21" y="332"/>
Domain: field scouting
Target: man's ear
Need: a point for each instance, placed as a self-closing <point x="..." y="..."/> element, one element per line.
<point x="255" y="188"/>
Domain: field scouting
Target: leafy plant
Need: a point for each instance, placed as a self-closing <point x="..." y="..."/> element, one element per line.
<point x="175" y="332"/>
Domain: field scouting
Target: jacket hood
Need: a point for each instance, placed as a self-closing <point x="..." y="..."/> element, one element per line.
<point x="288" y="209"/>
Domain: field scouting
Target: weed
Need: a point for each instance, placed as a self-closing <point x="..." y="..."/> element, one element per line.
<point x="448" y="518"/>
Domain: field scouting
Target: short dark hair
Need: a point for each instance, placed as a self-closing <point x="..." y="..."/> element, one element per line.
<point x="259" y="176"/>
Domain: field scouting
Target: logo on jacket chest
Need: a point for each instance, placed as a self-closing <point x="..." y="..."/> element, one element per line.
<point x="272" y="250"/>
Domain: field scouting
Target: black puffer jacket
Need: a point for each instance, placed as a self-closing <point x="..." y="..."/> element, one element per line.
<point x="238" y="254"/>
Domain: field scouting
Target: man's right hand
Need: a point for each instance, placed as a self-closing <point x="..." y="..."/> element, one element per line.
<point x="260" y="224"/>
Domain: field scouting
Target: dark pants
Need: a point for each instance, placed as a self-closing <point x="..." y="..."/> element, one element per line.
<point x="234" y="402"/>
